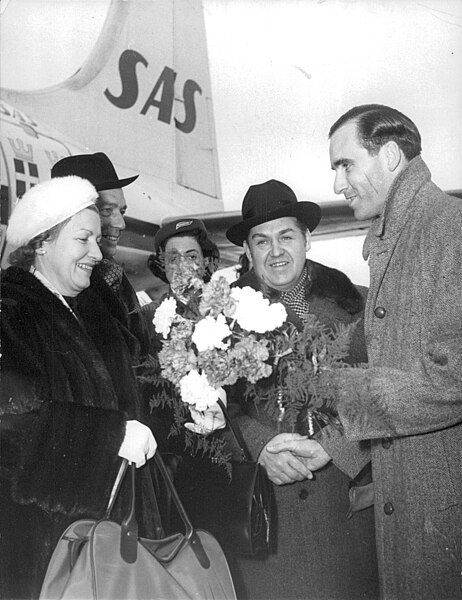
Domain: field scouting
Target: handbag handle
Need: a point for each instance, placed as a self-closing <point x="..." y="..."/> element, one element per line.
<point x="129" y="528"/>
<point x="190" y="533"/>
<point x="237" y="433"/>
<point x="116" y="487"/>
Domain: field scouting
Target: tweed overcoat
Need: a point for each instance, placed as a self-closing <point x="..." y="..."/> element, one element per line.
<point x="409" y="403"/>
<point x="318" y="553"/>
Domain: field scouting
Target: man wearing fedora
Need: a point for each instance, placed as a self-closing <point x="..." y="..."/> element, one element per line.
<point x="108" y="276"/>
<point x="318" y="552"/>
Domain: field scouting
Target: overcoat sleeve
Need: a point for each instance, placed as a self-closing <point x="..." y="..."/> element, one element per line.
<point x="425" y="394"/>
<point x="349" y="456"/>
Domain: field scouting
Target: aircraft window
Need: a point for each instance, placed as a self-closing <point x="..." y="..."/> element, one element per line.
<point x="19" y="166"/>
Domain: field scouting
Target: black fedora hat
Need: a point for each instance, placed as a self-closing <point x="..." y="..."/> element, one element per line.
<point x="268" y="201"/>
<point x="97" y="168"/>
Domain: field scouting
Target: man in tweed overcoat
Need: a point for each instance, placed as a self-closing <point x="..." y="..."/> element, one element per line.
<point x="409" y="402"/>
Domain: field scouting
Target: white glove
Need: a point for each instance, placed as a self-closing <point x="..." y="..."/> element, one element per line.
<point x="139" y="444"/>
<point x="208" y="420"/>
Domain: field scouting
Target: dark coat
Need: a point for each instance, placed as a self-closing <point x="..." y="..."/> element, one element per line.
<point x="67" y="389"/>
<point x="124" y="306"/>
<point x="319" y="554"/>
<point x="410" y="401"/>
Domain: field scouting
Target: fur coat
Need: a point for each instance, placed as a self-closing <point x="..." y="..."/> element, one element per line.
<point x="318" y="553"/>
<point x="67" y="390"/>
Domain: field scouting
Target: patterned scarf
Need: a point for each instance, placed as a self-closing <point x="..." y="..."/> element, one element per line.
<point x="112" y="273"/>
<point x="296" y="297"/>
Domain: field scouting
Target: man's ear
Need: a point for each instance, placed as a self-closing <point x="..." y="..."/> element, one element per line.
<point x="392" y="155"/>
<point x="307" y="240"/>
<point x="247" y="250"/>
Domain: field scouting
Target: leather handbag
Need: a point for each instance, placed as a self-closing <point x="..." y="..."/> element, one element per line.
<point x="101" y="559"/>
<point x="236" y="508"/>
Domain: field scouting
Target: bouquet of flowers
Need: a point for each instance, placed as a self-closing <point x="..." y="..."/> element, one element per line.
<point x="221" y="335"/>
<point x="214" y="335"/>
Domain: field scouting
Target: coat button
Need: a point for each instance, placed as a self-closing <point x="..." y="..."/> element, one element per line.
<point x="386" y="443"/>
<point x="388" y="508"/>
<point x="380" y="312"/>
<point x="303" y="494"/>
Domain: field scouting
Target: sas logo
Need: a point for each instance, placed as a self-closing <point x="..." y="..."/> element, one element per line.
<point x="161" y="96"/>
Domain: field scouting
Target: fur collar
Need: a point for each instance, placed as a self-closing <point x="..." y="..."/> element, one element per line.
<point x="323" y="282"/>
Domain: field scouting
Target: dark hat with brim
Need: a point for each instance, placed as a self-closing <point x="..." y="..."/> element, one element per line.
<point x="97" y="168"/>
<point x="268" y="201"/>
<point x="179" y="227"/>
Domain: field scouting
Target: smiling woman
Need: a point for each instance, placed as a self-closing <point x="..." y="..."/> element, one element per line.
<point x="67" y="260"/>
<point x="51" y="234"/>
<point x="69" y="406"/>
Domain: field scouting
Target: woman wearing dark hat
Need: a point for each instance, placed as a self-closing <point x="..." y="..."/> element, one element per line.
<point x="69" y="406"/>
<point x="183" y="240"/>
<point x="318" y="553"/>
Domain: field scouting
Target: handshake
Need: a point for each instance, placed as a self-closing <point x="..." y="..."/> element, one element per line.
<point x="290" y="457"/>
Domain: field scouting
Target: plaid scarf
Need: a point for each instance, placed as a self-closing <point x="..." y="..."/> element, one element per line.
<point x="295" y="298"/>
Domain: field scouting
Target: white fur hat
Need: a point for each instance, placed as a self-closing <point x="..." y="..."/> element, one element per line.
<point x="47" y="204"/>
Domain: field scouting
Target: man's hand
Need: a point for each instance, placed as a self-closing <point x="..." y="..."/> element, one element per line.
<point x="310" y="452"/>
<point x="282" y="466"/>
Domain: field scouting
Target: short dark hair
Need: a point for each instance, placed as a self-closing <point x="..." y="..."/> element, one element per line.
<point x="378" y="124"/>
<point x="156" y="262"/>
<point x="243" y="266"/>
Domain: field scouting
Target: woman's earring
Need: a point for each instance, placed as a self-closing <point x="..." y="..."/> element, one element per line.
<point x="40" y="251"/>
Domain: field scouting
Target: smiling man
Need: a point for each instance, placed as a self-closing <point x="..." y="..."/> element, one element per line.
<point x="108" y="277"/>
<point x="408" y="403"/>
<point x="413" y="325"/>
<point x="320" y="554"/>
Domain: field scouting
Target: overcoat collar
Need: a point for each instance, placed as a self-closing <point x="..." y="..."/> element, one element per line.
<point x="398" y="204"/>
<point x="322" y="281"/>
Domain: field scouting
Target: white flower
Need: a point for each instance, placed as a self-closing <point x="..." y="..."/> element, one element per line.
<point x="209" y="333"/>
<point x="255" y="313"/>
<point x="164" y="316"/>
<point x="196" y="390"/>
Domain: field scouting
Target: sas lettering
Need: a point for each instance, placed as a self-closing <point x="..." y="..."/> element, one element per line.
<point x="161" y="96"/>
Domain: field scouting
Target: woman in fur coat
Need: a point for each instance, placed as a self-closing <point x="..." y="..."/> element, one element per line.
<point x="69" y="406"/>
